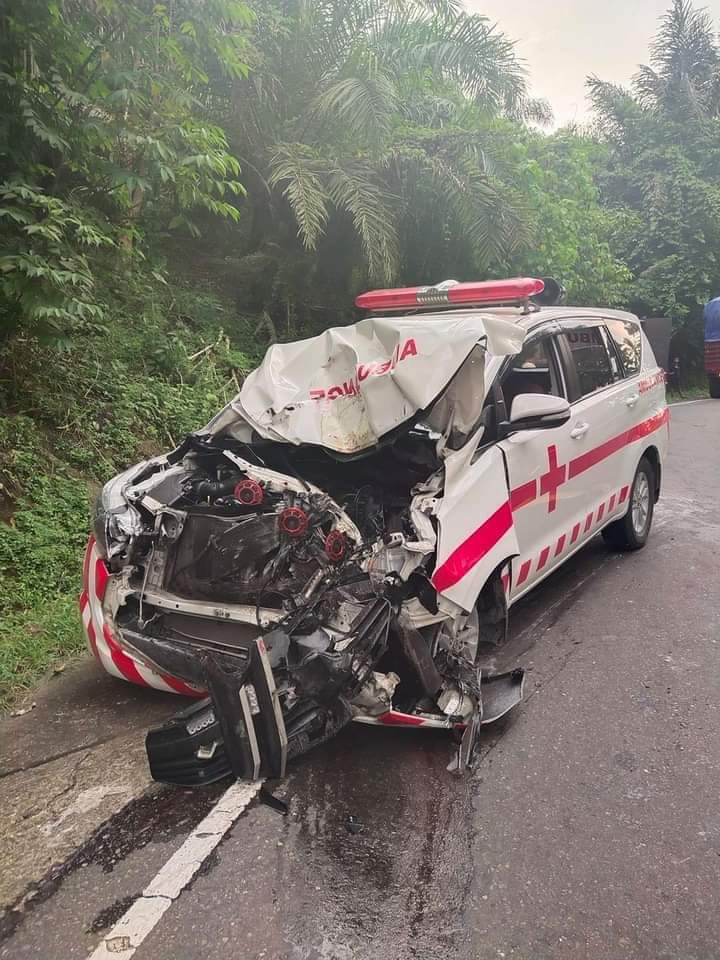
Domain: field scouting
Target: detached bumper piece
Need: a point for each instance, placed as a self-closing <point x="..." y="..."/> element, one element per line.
<point x="238" y="730"/>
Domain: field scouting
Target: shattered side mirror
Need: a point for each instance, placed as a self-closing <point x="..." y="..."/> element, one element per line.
<point x="535" y="411"/>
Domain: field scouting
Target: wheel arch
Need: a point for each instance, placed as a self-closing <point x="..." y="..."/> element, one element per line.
<point x="492" y="602"/>
<point x="652" y="454"/>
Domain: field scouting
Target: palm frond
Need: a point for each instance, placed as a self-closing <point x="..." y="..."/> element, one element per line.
<point x="354" y="188"/>
<point x="366" y="104"/>
<point x="297" y="169"/>
<point x="684" y="59"/>
<point x="495" y="222"/>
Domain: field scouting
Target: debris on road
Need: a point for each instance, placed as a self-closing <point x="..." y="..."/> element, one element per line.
<point x="22" y="710"/>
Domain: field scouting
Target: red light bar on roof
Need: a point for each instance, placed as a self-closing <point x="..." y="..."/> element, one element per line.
<point x="516" y="290"/>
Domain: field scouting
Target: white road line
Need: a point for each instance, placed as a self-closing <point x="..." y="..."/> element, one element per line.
<point x="167" y="885"/>
<point x="684" y="403"/>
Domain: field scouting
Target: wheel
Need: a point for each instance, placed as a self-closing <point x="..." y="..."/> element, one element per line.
<point x="632" y="530"/>
<point x="714" y="387"/>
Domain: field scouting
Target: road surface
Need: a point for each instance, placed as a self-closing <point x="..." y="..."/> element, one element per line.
<point x="589" y="829"/>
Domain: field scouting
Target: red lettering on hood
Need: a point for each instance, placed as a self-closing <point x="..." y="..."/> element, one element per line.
<point x="351" y="388"/>
<point x="409" y="350"/>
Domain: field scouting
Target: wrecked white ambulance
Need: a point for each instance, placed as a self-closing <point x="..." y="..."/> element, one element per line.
<point x="340" y="541"/>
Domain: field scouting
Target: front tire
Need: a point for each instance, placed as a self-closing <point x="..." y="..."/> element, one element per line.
<point x="632" y="530"/>
<point x="714" y="386"/>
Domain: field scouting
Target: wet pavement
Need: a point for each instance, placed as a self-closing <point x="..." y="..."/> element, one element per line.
<point x="589" y="829"/>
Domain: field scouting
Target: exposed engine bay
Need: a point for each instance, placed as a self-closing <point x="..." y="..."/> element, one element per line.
<point x="301" y="586"/>
<point x="254" y="584"/>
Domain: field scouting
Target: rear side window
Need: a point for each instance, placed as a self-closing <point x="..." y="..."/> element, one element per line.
<point x="589" y="357"/>
<point x="628" y="341"/>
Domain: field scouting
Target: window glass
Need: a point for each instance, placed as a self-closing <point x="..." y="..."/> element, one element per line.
<point x="590" y="358"/>
<point x="531" y="371"/>
<point x="627" y="337"/>
<point x="612" y="354"/>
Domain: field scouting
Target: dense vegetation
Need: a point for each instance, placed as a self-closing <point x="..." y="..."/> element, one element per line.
<point x="183" y="182"/>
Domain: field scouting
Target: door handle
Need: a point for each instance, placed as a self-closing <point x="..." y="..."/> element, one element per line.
<point x="579" y="431"/>
<point x="632" y="400"/>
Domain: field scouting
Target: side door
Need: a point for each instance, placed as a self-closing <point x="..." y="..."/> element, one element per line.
<point x="645" y="409"/>
<point x="537" y="466"/>
<point x="596" y="481"/>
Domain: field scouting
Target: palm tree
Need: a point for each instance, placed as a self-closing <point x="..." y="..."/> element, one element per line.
<point x="684" y="71"/>
<point x="353" y="112"/>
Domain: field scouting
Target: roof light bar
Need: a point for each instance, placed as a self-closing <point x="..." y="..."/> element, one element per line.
<point x="517" y="290"/>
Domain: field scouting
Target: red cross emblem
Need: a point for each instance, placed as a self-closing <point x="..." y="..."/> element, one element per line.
<point x="554" y="478"/>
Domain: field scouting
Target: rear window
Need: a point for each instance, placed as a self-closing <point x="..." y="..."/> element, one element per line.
<point x="590" y="359"/>
<point x="627" y="338"/>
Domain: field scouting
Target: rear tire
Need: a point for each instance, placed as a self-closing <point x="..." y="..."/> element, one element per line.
<point x="714" y="387"/>
<point x="632" y="530"/>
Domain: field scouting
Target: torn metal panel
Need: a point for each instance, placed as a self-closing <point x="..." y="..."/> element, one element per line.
<point x="349" y="387"/>
<point x="476" y="531"/>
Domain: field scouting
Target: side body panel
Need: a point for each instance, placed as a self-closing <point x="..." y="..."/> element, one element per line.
<point x="542" y="510"/>
<point x="476" y="530"/>
<point x="593" y="461"/>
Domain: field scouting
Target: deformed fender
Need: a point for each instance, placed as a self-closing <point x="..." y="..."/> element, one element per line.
<point x="476" y="530"/>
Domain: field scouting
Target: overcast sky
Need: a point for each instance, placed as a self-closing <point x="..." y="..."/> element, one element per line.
<point x="562" y="41"/>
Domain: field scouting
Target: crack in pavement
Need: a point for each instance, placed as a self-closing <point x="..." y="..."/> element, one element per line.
<point x="13" y="771"/>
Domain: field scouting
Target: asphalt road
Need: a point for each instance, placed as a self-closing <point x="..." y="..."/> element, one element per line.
<point x="589" y="829"/>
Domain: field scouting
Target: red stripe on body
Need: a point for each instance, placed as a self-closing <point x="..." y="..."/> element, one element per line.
<point x="592" y="457"/>
<point x="471" y="551"/>
<point x="543" y="558"/>
<point x="522" y="495"/>
<point x="644" y="429"/>
<point x="588" y="522"/>
<point x="505" y="580"/>
<point x="560" y="545"/>
<point x="575" y="533"/>
<point x="600" y="513"/>
<point x="93" y="640"/>
<point x="122" y="661"/>
<point x="393" y="718"/>
<point x="524" y="571"/>
<point x="101" y="578"/>
<point x="623" y="494"/>
<point x="86" y="561"/>
<point x="611" y="505"/>
<point x="527" y="492"/>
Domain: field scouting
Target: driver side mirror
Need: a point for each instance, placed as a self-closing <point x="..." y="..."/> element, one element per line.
<point x="535" y="411"/>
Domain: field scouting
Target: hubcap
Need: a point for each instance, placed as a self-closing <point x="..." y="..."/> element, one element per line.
<point x="640" y="504"/>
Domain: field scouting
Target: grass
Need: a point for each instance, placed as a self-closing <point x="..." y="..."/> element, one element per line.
<point x="113" y="400"/>
<point x="697" y="390"/>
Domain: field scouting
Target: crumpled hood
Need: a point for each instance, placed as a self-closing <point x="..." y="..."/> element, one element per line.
<point x="348" y="387"/>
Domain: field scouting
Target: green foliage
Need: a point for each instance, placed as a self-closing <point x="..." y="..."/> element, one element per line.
<point x="359" y="125"/>
<point x="162" y="367"/>
<point x="46" y="282"/>
<point x="662" y="174"/>
<point x="575" y="235"/>
<point x="104" y="134"/>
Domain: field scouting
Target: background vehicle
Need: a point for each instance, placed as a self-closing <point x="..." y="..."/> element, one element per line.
<point x="711" y="316"/>
<point x="349" y="532"/>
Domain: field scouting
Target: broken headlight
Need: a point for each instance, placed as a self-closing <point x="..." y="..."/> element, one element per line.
<point x="115" y="522"/>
